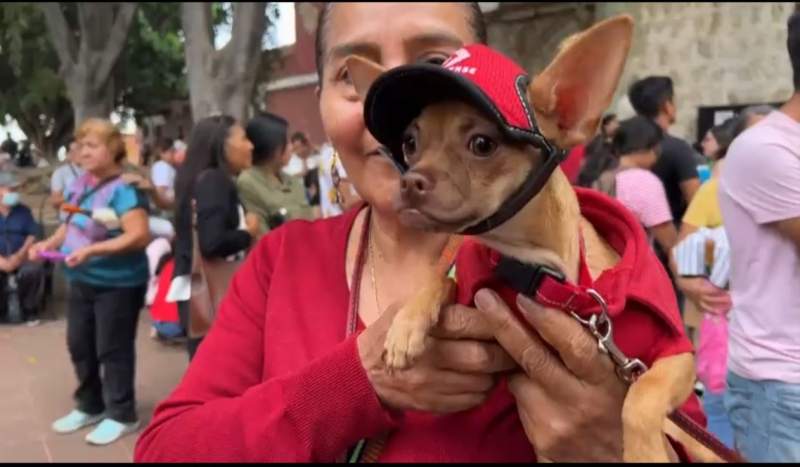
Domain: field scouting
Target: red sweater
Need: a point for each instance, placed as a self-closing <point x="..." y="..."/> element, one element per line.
<point x="276" y="380"/>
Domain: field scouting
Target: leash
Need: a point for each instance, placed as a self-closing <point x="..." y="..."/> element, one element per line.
<point x="550" y="288"/>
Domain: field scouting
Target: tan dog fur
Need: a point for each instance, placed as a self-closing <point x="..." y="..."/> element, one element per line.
<point x="568" y="98"/>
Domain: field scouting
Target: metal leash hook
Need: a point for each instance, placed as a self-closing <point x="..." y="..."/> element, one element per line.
<point x="601" y="328"/>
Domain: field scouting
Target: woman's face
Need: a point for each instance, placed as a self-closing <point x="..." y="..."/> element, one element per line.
<point x="93" y="154"/>
<point x="238" y="150"/>
<point x="392" y="34"/>
<point x="709" y="144"/>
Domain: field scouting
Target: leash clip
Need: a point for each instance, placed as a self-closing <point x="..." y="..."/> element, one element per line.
<point x="601" y="328"/>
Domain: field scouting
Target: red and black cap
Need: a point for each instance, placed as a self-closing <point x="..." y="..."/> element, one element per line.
<point x="479" y="76"/>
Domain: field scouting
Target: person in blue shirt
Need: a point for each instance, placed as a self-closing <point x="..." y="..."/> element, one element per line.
<point x="103" y="241"/>
<point x="18" y="231"/>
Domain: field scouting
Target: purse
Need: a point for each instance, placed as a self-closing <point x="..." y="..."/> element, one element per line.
<point x="209" y="282"/>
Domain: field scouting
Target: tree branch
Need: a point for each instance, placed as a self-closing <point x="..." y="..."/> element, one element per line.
<point x="249" y="25"/>
<point x="60" y="33"/>
<point x="117" y="39"/>
<point x="196" y="23"/>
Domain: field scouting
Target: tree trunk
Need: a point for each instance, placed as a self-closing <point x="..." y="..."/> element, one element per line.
<point x="86" y="66"/>
<point x="223" y="81"/>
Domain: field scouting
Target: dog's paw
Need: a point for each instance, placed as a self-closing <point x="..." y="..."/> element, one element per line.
<point x="405" y="343"/>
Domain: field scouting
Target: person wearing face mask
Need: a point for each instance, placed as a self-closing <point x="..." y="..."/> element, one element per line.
<point x="21" y="281"/>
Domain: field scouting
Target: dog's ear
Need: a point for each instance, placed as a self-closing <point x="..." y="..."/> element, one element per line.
<point x="362" y="73"/>
<point x="571" y="94"/>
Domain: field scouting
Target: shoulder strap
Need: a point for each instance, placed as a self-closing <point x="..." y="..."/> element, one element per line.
<point x="86" y="194"/>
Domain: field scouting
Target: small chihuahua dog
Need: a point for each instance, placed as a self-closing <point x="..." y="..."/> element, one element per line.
<point x="463" y="167"/>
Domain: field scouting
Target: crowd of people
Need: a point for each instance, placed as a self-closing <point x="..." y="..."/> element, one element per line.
<point x="169" y="238"/>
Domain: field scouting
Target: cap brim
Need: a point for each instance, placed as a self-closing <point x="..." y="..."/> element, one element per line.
<point x="398" y="96"/>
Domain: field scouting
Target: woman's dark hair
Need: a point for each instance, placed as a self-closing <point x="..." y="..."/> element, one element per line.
<point x="793" y="45"/>
<point x="206" y="150"/>
<point x="597" y="160"/>
<point x="476" y="21"/>
<point x="267" y="132"/>
<point x="724" y="134"/>
<point x="636" y="134"/>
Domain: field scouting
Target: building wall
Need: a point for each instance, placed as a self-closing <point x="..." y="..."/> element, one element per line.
<point x="293" y="86"/>
<point x="717" y="54"/>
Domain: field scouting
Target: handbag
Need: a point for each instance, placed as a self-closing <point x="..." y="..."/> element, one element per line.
<point x="210" y="278"/>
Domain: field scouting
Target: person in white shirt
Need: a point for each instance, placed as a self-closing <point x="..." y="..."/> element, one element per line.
<point x="163" y="174"/>
<point x="64" y="175"/>
<point x="304" y="156"/>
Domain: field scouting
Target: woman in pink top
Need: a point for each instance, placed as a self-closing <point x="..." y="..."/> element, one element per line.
<point x="636" y="146"/>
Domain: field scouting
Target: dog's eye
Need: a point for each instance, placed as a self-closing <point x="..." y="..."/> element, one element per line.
<point x="482" y="146"/>
<point x="409" y="145"/>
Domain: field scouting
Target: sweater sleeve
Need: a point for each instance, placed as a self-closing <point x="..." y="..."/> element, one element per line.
<point x="217" y="239"/>
<point x="223" y="410"/>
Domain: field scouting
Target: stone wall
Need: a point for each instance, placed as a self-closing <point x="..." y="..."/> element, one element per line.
<point x="716" y="53"/>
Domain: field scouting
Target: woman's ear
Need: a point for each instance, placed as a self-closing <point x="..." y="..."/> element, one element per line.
<point x="363" y="73"/>
<point x="571" y="94"/>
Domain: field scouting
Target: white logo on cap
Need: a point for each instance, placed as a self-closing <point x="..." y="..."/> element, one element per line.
<point x="458" y="56"/>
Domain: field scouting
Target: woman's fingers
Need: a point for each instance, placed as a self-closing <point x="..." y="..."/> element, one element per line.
<point x="576" y="347"/>
<point x="462" y="322"/>
<point x="528" y="350"/>
<point x="470" y="356"/>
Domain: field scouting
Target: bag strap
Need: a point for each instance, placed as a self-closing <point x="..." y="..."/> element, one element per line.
<point x="87" y="193"/>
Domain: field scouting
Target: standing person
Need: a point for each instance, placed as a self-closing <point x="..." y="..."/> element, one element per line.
<point x="265" y="190"/>
<point x="654" y="98"/>
<point x="292" y="370"/>
<point x="636" y="145"/>
<point x="759" y="194"/>
<point x="64" y="175"/>
<point x="107" y="272"/>
<point x="304" y="163"/>
<point x="599" y="155"/>
<point x="21" y="281"/>
<point x="163" y="176"/>
<point x="218" y="151"/>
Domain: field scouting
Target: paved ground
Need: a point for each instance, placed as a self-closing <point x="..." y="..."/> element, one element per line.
<point x="37" y="383"/>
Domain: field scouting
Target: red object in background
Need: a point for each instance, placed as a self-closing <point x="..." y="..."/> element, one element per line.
<point x="161" y="310"/>
<point x="572" y="164"/>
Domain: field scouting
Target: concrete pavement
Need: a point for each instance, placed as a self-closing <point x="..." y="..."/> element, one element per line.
<point x="37" y="381"/>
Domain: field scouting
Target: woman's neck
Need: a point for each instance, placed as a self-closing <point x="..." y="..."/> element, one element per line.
<point x="630" y="162"/>
<point x="106" y="172"/>
<point x="400" y="245"/>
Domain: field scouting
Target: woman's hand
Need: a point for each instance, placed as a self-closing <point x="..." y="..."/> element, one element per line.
<point x="708" y="297"/>
<point x="80" y="256"/>
<point x="137" y="180"/>
<point x="456" y="372"/>
<point x="253" y="224"/>
<point x="36" y="249"/>
<point x="569" y="398"/>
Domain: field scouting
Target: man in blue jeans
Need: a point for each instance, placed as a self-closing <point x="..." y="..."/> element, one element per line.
<point x="759" y="194"/>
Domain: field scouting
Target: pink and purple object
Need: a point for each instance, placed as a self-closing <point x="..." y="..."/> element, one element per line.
<point x="52" y="255"/>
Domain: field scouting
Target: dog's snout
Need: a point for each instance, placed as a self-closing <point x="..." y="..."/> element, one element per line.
<point x="416" y="184"/>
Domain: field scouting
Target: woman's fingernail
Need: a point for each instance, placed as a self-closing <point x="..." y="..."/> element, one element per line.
<point x="526" y="304"/>
<point x="484" y="299"/>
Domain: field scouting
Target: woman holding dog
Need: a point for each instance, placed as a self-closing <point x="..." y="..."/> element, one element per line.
<point x="293" y="368"/>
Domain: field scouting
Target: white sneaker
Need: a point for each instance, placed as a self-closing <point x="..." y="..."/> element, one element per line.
<point x="109" y="431"/>
<point x="74" y="421"/>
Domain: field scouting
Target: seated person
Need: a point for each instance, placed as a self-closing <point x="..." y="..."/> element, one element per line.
<point x="18" y="231"/>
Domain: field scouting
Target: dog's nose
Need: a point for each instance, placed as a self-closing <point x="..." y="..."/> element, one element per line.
<point x="415" y="184"/>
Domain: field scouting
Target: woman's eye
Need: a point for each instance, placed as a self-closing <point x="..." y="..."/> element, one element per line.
<point x="409" y="145"/>
<point x="482" y="146"/>
<point x="435" y="60"/>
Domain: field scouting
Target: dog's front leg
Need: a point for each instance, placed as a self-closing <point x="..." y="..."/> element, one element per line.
<point x="405" y="341"/>
<point x="659" y="391"/>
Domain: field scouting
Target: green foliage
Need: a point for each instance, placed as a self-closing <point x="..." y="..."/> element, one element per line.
<point x="32" y="91"/>
<point x="151" y="71"/>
